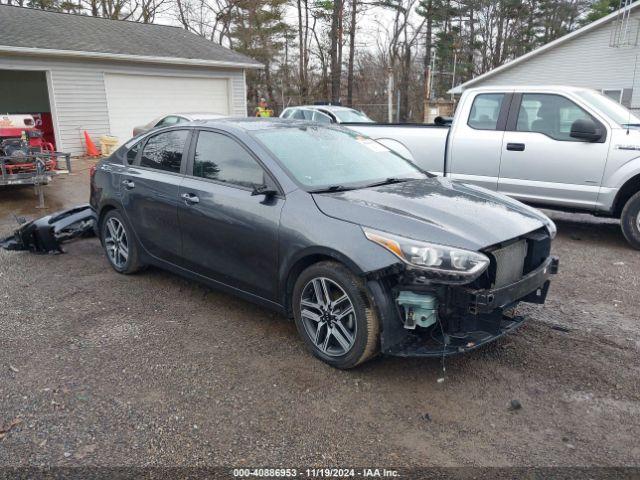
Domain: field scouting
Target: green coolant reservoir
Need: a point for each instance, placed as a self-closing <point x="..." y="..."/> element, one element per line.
<point x="420" y="309"/>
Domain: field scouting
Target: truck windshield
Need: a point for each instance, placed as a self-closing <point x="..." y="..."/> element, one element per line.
<point x="610" y="108"/>
<point x="322" y="157"/>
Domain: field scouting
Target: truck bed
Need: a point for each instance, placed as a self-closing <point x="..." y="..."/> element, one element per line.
<point x="425" y="143"/>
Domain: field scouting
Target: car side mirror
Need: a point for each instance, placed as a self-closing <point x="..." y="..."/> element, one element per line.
<point x="265" y="190"/>
<point x="585" y="129"/>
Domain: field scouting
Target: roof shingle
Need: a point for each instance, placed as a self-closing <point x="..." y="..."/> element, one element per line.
<point x="31" y="28"/>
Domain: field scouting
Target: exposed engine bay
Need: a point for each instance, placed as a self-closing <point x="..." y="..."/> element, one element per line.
<point x="427" y="319"/>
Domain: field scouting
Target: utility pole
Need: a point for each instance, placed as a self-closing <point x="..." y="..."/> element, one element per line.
<point x="390" y="95"/>
<point x="427" y="93"/>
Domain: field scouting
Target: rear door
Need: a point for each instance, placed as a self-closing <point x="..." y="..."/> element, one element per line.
<point x="541" y="163"/>
<point x="476" y="144"/>
<point x="228" y="234"/>
<point x="149" y="190"/>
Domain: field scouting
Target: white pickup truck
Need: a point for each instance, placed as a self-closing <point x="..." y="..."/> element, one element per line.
<point x="555" y="147"/>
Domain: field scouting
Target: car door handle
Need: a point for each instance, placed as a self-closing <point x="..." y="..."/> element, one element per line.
<point x="128" y="184"/>
<point x="515" y="147"/>
<point x="190" y="198"/>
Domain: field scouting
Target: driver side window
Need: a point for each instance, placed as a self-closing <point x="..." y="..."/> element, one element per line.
<point x="551" y="115"/>
<point x="221" y="158"/>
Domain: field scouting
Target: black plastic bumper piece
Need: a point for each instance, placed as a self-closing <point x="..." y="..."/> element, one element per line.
<point x="438" y="345"/>
<point x="46" y="234"/>
<point x="532" y="288"/>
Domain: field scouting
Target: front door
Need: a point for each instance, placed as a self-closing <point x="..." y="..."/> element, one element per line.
<point x="228" y="234"/>
<point x="541" y="163"/>
<point x="149" y="190"/>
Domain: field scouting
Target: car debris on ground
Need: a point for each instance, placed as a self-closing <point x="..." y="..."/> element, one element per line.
<point x="46" y="234"/>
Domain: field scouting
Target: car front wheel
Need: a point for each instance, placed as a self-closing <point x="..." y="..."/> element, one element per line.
<point x="119" y="243"/>
<point x="630" y="221"/>
<point x="333" y="315"/>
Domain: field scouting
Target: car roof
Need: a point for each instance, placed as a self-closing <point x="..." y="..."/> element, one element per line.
<point x="530" y="88"/>
<point x="330" y="108"/>
<point x="257" y="123"/>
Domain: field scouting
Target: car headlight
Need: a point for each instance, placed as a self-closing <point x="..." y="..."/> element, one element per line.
<point x="440" y="263"/>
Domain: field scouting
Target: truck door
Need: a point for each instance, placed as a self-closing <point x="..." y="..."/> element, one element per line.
<point x="476" y="141"/>
<point x="541" y="162"/>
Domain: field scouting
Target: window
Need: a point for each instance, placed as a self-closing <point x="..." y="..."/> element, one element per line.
<point x="351" y="115"/>
<point x="167" y="121"/>
<point x="164" y="151"/>
<point x="301" y="114"/>
<point x="612" y="109"/>
<point x="132" y="153"/>
<point x="321" y="156"/>
<point x="219" y="157"/>
<point x="615" y="95"/>
<point x="321" y="117"/>
<point x="551" y="115"/>
<point x="485" y="111"/>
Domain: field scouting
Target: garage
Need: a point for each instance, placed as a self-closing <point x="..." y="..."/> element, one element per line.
<point x="136" y="99"/>
<point x="26" y="92"/>
<point x="105" y="77"/>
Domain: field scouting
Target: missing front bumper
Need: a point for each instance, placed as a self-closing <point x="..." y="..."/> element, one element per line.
<point x="473" y="317"/>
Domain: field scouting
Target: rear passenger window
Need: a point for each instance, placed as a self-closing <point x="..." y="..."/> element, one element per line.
<point x="221" y="158"/>
<point x="485" y="111"/>
<point x="164" y="151"/>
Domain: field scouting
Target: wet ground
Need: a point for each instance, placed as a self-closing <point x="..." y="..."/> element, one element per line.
<point x="98" y="368"/>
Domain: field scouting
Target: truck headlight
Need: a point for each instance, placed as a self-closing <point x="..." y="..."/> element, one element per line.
<point x="440" y="263"/>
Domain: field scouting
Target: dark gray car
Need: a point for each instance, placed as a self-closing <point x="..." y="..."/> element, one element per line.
<point x="364" y="250"/>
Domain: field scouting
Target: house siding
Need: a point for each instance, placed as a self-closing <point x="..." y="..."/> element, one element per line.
<point x="78" y="97"/>
<point x="584" y="61"/>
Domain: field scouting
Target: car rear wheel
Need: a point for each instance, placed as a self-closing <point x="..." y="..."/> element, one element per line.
<point x="630" y="221"/>
<point x="119" y="244"/>
<point x="334" y="317"/>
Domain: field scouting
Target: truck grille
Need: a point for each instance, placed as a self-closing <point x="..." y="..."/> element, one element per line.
<point x="509" y="263"/>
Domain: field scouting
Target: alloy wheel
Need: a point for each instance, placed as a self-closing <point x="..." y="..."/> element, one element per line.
<point x="328" y="316"/>
<point x="116" y="243"/>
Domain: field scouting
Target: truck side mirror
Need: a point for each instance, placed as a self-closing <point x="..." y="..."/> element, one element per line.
<point x="586" y="129"/>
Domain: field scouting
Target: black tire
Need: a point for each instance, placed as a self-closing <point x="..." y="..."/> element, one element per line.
<point x="630" y="221"/>
<point x="132" y="263"/>
<point x="363" y="324"/>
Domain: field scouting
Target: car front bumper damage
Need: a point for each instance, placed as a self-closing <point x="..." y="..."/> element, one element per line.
<point x="467" y="318"/>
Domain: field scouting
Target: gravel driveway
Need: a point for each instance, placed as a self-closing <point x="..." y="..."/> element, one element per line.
<point x="98" y="368"/>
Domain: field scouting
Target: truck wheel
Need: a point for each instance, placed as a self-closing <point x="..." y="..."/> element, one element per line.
<point x="334" y="317"/>
<point x="630" y="221"/>
<point x="119" y="243"/>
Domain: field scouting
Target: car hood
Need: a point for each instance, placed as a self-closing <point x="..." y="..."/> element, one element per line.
<point x="435" y="210"/>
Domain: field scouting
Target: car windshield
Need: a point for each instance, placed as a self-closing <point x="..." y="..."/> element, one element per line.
<point x="611" y="108"/>
<point x="350" y="115"/>
<point x="327" y="157"/>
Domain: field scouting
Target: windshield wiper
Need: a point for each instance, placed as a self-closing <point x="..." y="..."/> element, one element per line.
<point x="388" y="181"/>
<point x="331" y="188"/>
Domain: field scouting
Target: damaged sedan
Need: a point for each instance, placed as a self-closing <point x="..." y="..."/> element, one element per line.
<point x="368" y="253"/>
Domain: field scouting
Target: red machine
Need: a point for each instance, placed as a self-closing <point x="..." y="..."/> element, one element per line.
<point x="25" y="157"/>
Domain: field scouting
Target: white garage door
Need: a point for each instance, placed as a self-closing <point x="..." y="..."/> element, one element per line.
<point x="137" y="99"/>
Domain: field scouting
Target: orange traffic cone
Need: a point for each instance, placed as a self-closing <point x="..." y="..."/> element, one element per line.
<point x="92" y="151"/>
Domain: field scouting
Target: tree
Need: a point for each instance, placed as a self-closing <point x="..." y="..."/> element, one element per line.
<point x="257" y="30"/>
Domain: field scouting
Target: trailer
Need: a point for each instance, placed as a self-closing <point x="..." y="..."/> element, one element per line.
<point x="25" y="158"/>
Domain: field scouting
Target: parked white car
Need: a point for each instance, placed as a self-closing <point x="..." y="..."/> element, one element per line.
<point x="174" y="119"/>
<point x="326" y="114"/>
<point x="550" y="146"/>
